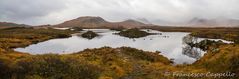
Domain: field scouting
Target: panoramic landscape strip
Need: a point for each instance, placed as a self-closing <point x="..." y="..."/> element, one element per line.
<point x="119" y="39"/>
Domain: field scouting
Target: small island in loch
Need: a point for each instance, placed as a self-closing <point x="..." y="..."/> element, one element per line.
<point x="89" y="35"/>
<point x="134" y="33"/>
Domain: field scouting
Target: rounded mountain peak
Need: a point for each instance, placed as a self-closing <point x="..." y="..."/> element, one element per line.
<point x="91" y="19"/>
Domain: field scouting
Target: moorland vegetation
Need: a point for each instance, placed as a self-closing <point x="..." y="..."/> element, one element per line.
<point x="106" y="62"/>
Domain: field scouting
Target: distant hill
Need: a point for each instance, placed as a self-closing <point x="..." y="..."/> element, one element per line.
<point x="86" y="22"/>
<point x="8" y="24"/>
<point x="131" y="22"/>
<point x="214" y="22"/>
<point x="143" y="20"/>
<point x="98" y="22"/>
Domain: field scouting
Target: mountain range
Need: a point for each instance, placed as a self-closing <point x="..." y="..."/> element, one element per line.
<point x="98" y="22"/>
<point x="213" y="22"/>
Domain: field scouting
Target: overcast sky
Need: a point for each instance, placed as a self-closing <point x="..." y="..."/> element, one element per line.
<point x="36" y="12"/>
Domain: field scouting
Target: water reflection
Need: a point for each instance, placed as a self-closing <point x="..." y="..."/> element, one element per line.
<point x="192" y="52"/>
<point x="189" y="49"/>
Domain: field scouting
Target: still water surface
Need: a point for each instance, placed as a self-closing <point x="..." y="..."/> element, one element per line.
<point x="169" y="43"/>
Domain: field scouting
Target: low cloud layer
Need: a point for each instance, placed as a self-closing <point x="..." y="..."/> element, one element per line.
<point x="36" y="12"/>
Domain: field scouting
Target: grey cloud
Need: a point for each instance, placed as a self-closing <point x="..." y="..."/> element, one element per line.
<point x="28" y="10"/>
<point x="156" y="11"/>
